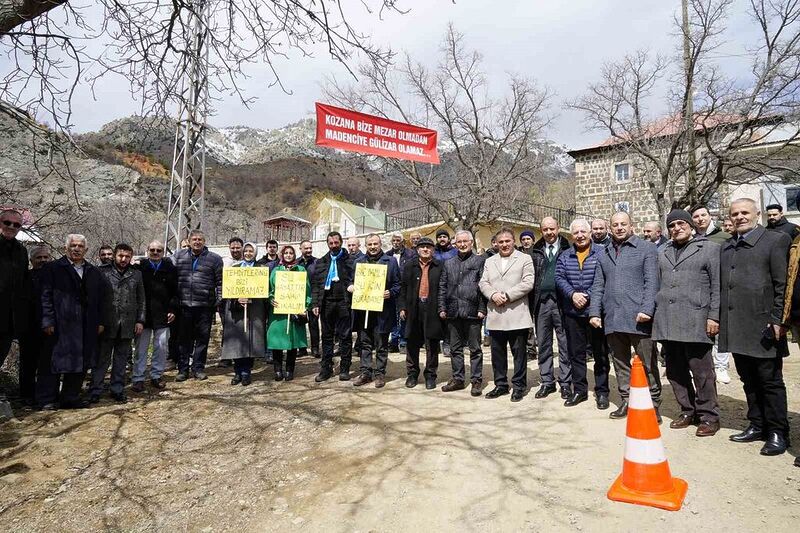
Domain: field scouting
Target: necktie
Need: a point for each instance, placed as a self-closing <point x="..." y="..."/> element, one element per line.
<point x="549" y="252"/>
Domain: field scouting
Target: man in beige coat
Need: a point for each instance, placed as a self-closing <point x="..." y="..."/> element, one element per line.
<point x="506" y="281"/>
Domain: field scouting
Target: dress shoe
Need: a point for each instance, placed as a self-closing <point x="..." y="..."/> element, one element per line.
<point x="94" y="398"/>
<point x="496" y="393"/>
<point x="411" y="382"/>
<point x="236" y="380"/>
<point x="324" y="375"/>
<point x="707" y="429"/>
<point x="279" y="375"/>
<point x="200" y="376"/>
<point x="751" y="434"/>
<point x="138" y="386"/>
<point x="476" y="388"/>
<point x="430" y="383"/>
<point x="362" y="379"/>
<point x="575" y="399"/>
<point x="545" y="391"/>
<point x="565" y="393"/>
<point x="683" y="421"/>
<point x="49" y="407"/>
<point x="517" y="395"/>
<point x="658" y="416"/>
<point x="776" y="444"/>
<point x="453" y="385"/>
<point x="119" y="397"/>
<point x="246" y="380"/>
<point x="797" y="461"/>
<point x="76" y="404"/>
<point x="602" y="402"/>
<point x="380" y="381"/>
<point x="344" y="375"/>
<point x="158" y="383"/>
<point x="393" y="348"/>
<point x="621" y="412"/>
<point x="181" y="376"/>
<point x="288" y="376"/>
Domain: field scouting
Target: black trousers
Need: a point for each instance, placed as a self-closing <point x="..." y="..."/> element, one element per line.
<point x="278" y="360"/>
<point x="621" y="345"/>
<point x="195" y="331"/>
<point x="175" y="339"/>
<point x="48" y="383"/>
<point x="416" y="331"/>
<point x="466" y="333"/>
<point x="690" y="371"/>
<point x="765" y="391"/>
<point x="336" y="322"/>
<point x="517" y="339"/>
<point x="313" y="332"/>
<point x="583" y="339"/>
<point x="243" y="366"/>
<point x="29" y="346"/>
<point x="372" y="339"/>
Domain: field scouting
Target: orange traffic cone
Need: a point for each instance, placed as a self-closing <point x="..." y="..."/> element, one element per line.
<point x="645" y="478"/>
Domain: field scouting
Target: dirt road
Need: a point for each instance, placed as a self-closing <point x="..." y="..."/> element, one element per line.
<point x="206" y="456"/>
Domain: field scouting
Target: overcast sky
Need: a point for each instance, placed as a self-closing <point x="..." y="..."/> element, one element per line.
<point x="560" y="43"/>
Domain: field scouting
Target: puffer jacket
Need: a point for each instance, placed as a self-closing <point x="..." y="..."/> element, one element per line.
<point x="199" y="279"/>
<point x="128" y="300"/>
<point x="459" y="295"/>
<point x="571" y="278"/>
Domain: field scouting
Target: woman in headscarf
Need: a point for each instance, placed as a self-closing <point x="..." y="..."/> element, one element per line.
<point x="281" y="338"/>
<point x="237" y="345"/>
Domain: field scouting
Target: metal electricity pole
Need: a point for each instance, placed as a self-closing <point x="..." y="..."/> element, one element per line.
<point x="688" y="105"/>
<point x="186" y="202"/>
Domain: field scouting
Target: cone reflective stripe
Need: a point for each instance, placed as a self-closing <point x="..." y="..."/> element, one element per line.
<point x="646" y="478"/>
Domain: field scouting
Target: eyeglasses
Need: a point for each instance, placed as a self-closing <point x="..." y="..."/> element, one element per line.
<point x="156" y="250"/>
<point x="15" y="225"/>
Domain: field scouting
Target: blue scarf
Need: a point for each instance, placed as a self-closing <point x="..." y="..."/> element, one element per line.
<point x="247" y="263"/>
<point x="333" y="270"/>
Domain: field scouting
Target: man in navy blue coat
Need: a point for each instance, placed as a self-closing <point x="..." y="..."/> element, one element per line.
<point x="374" y="333"/>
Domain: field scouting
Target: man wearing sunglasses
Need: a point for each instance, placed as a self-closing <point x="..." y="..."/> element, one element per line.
<point x="13" y="287"/>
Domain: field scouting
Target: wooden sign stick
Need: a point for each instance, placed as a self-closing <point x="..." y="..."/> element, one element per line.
<point x="245" y="318"/>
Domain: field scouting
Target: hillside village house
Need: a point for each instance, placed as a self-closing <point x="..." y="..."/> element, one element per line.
<point x="608" y="180"/>
<point x="346" y="218"/>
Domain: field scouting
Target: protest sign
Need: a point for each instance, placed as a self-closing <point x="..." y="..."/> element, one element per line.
<point x="367" y="134"/>
<point x="290" y="292"/>
<point x="368" y="287"/>
<point x="245" y="282"/>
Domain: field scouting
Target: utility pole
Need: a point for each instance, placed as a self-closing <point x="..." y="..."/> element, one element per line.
<point x="688" y="105"/>
<point x="186" y="201"/>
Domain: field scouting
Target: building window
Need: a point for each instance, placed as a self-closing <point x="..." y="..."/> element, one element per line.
<point x="622" y="171"/>
<point x="792" y="195"/>
<point x="622" y="206"/>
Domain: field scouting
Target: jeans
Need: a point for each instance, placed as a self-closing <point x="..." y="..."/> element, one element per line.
<point x="396" y="338"/>
<point x="195" y="331"/>
<point x="517" y="338"/>
<point x="721" y="359"/>
<point x="243" y="366"/>
<point x="465" y="332"/>
<point x="114" y="352"/>
<point x="372" y="339"/>
<point x="160" y="348"/>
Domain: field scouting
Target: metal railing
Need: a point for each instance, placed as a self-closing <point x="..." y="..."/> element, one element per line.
<point x="525" y="212"/>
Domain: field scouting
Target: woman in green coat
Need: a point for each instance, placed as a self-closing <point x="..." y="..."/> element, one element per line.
<point x="280" y="335"/>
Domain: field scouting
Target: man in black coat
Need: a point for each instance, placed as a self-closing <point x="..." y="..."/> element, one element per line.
<point x="463" y="307"/>
<point x="307" y="261"/>
<point x="753" y="267"/>
<point x="419" y="302"/>
<point x="14" y="285"/>
<point x="543" y="301"/>
<point x="74" y="301"/>
<point x="160" y="279"/>
<point x="125" y="321"/>
<point x="777" y="222"/>
<point x="199" y="293"/>
<point x="30" y="342"/>
<point x="330" y="301"/>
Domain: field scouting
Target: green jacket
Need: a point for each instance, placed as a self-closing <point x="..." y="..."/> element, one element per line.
<point x="278" y="336"/>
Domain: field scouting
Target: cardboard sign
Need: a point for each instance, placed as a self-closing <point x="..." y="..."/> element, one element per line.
<point x="367" y="134"/>
<point x="245" y="282"/>
<point x="290" y="292"/>
<point x="368" y="287"/>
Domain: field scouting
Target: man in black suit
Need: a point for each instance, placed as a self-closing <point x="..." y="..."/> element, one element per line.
<point x="777" y="222"/>
<point x="753" y="267"/>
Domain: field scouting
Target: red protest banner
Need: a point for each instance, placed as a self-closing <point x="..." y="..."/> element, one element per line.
<point x="358" y="132"/>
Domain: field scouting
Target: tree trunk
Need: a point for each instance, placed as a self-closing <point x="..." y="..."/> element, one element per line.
<point x="16" y="12"/>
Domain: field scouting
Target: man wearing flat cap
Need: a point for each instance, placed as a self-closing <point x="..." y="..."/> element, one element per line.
<point x="419" y="304"/>
<point x="687" y="320"/>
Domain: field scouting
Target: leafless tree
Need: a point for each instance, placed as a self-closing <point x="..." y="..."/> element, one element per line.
<point x="493" y="138"/>
<point x="743" y="129"/>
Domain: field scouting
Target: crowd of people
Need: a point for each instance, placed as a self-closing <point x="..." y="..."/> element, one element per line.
<point x="693" y="298"/>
